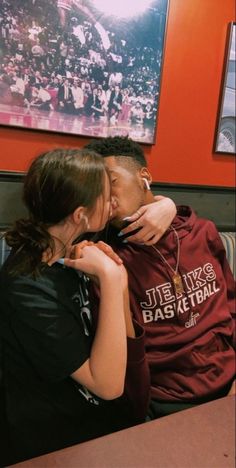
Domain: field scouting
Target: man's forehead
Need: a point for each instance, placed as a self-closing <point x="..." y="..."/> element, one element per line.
<point x="112" y="163"/>
<point x="117" y="166"/>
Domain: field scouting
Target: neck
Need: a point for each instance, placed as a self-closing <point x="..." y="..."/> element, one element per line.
<point x="63" y="236"/>
<point x="148" y="197"/>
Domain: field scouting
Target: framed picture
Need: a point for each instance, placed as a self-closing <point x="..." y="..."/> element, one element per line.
<point x="225" y="135"/>
<point x="82" y="67"/>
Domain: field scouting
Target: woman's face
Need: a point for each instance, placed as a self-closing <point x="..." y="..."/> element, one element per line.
<point x="102" y="210"/>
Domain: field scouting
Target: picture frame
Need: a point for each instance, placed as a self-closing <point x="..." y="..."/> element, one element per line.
<point x="82" y="67"/>
<point x="226" y="126"/>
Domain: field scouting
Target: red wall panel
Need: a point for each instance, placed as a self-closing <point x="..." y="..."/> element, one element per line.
<point x="190" y="91"/>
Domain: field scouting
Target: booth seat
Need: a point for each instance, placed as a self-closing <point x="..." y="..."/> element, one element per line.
<point x="228" y="239"/>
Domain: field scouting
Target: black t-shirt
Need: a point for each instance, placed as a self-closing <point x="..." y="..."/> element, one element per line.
<point x="47" y="334"/>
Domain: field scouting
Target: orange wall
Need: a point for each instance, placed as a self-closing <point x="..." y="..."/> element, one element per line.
<point x="190" y="90"/>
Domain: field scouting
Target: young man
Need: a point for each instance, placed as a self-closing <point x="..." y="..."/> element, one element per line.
<point x="181" y="290"/>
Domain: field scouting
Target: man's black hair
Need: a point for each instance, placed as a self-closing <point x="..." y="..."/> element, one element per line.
<point x="119" y="147"/>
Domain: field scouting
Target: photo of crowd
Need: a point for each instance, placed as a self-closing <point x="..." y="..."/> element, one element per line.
<point x="67" y="66"/>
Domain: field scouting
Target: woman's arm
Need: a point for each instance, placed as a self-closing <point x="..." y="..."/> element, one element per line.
<point x="128" y="317"/>
<point x="104" y="372"/>
<point x="153" y="219"/>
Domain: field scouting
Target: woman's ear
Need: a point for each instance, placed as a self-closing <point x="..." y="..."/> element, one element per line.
<point x="79" y="215"/>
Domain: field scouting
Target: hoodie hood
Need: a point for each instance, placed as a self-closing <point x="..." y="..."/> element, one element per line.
<point x="184" y="220"/>
<point x="182" y="223"/>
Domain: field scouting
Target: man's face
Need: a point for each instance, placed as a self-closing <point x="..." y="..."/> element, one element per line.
<point x="126" y="190"/>
<point x="101" y="213"/>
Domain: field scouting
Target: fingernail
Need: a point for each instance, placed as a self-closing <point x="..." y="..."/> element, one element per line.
<point x="127" y="218"/>
<point x="120" y="234"/>
<point x="125" y="241"/>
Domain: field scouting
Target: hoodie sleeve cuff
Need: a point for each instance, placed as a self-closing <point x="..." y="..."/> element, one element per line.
<point x="135" y="346"/>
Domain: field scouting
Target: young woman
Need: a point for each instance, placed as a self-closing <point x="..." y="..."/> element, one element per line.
<point x="65" y="382"/>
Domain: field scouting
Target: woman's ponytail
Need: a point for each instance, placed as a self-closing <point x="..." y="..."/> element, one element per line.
<point x="28" y="240"/>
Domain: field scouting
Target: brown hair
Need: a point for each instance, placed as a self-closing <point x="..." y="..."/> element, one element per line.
<point x="57" y="183"/>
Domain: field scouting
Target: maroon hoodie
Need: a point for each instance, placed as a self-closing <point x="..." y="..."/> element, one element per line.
<point x="190" y="335"/>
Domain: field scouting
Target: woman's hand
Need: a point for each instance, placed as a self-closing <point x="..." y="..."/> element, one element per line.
<point x="92" y="259"/>
<point x="77" y="253"/>
<point x="76" y="250"/>
<point x="107" y="249"/>
<point x="153" y="221"/>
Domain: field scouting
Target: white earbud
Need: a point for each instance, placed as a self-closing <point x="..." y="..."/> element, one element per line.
<point x="146" y="183"/>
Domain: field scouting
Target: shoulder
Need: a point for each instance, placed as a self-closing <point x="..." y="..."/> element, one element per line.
<point x="207" y="226"/>
<point x="29" y="290"/>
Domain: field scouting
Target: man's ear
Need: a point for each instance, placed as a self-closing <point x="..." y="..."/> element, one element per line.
<point x="146" y="177"/>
